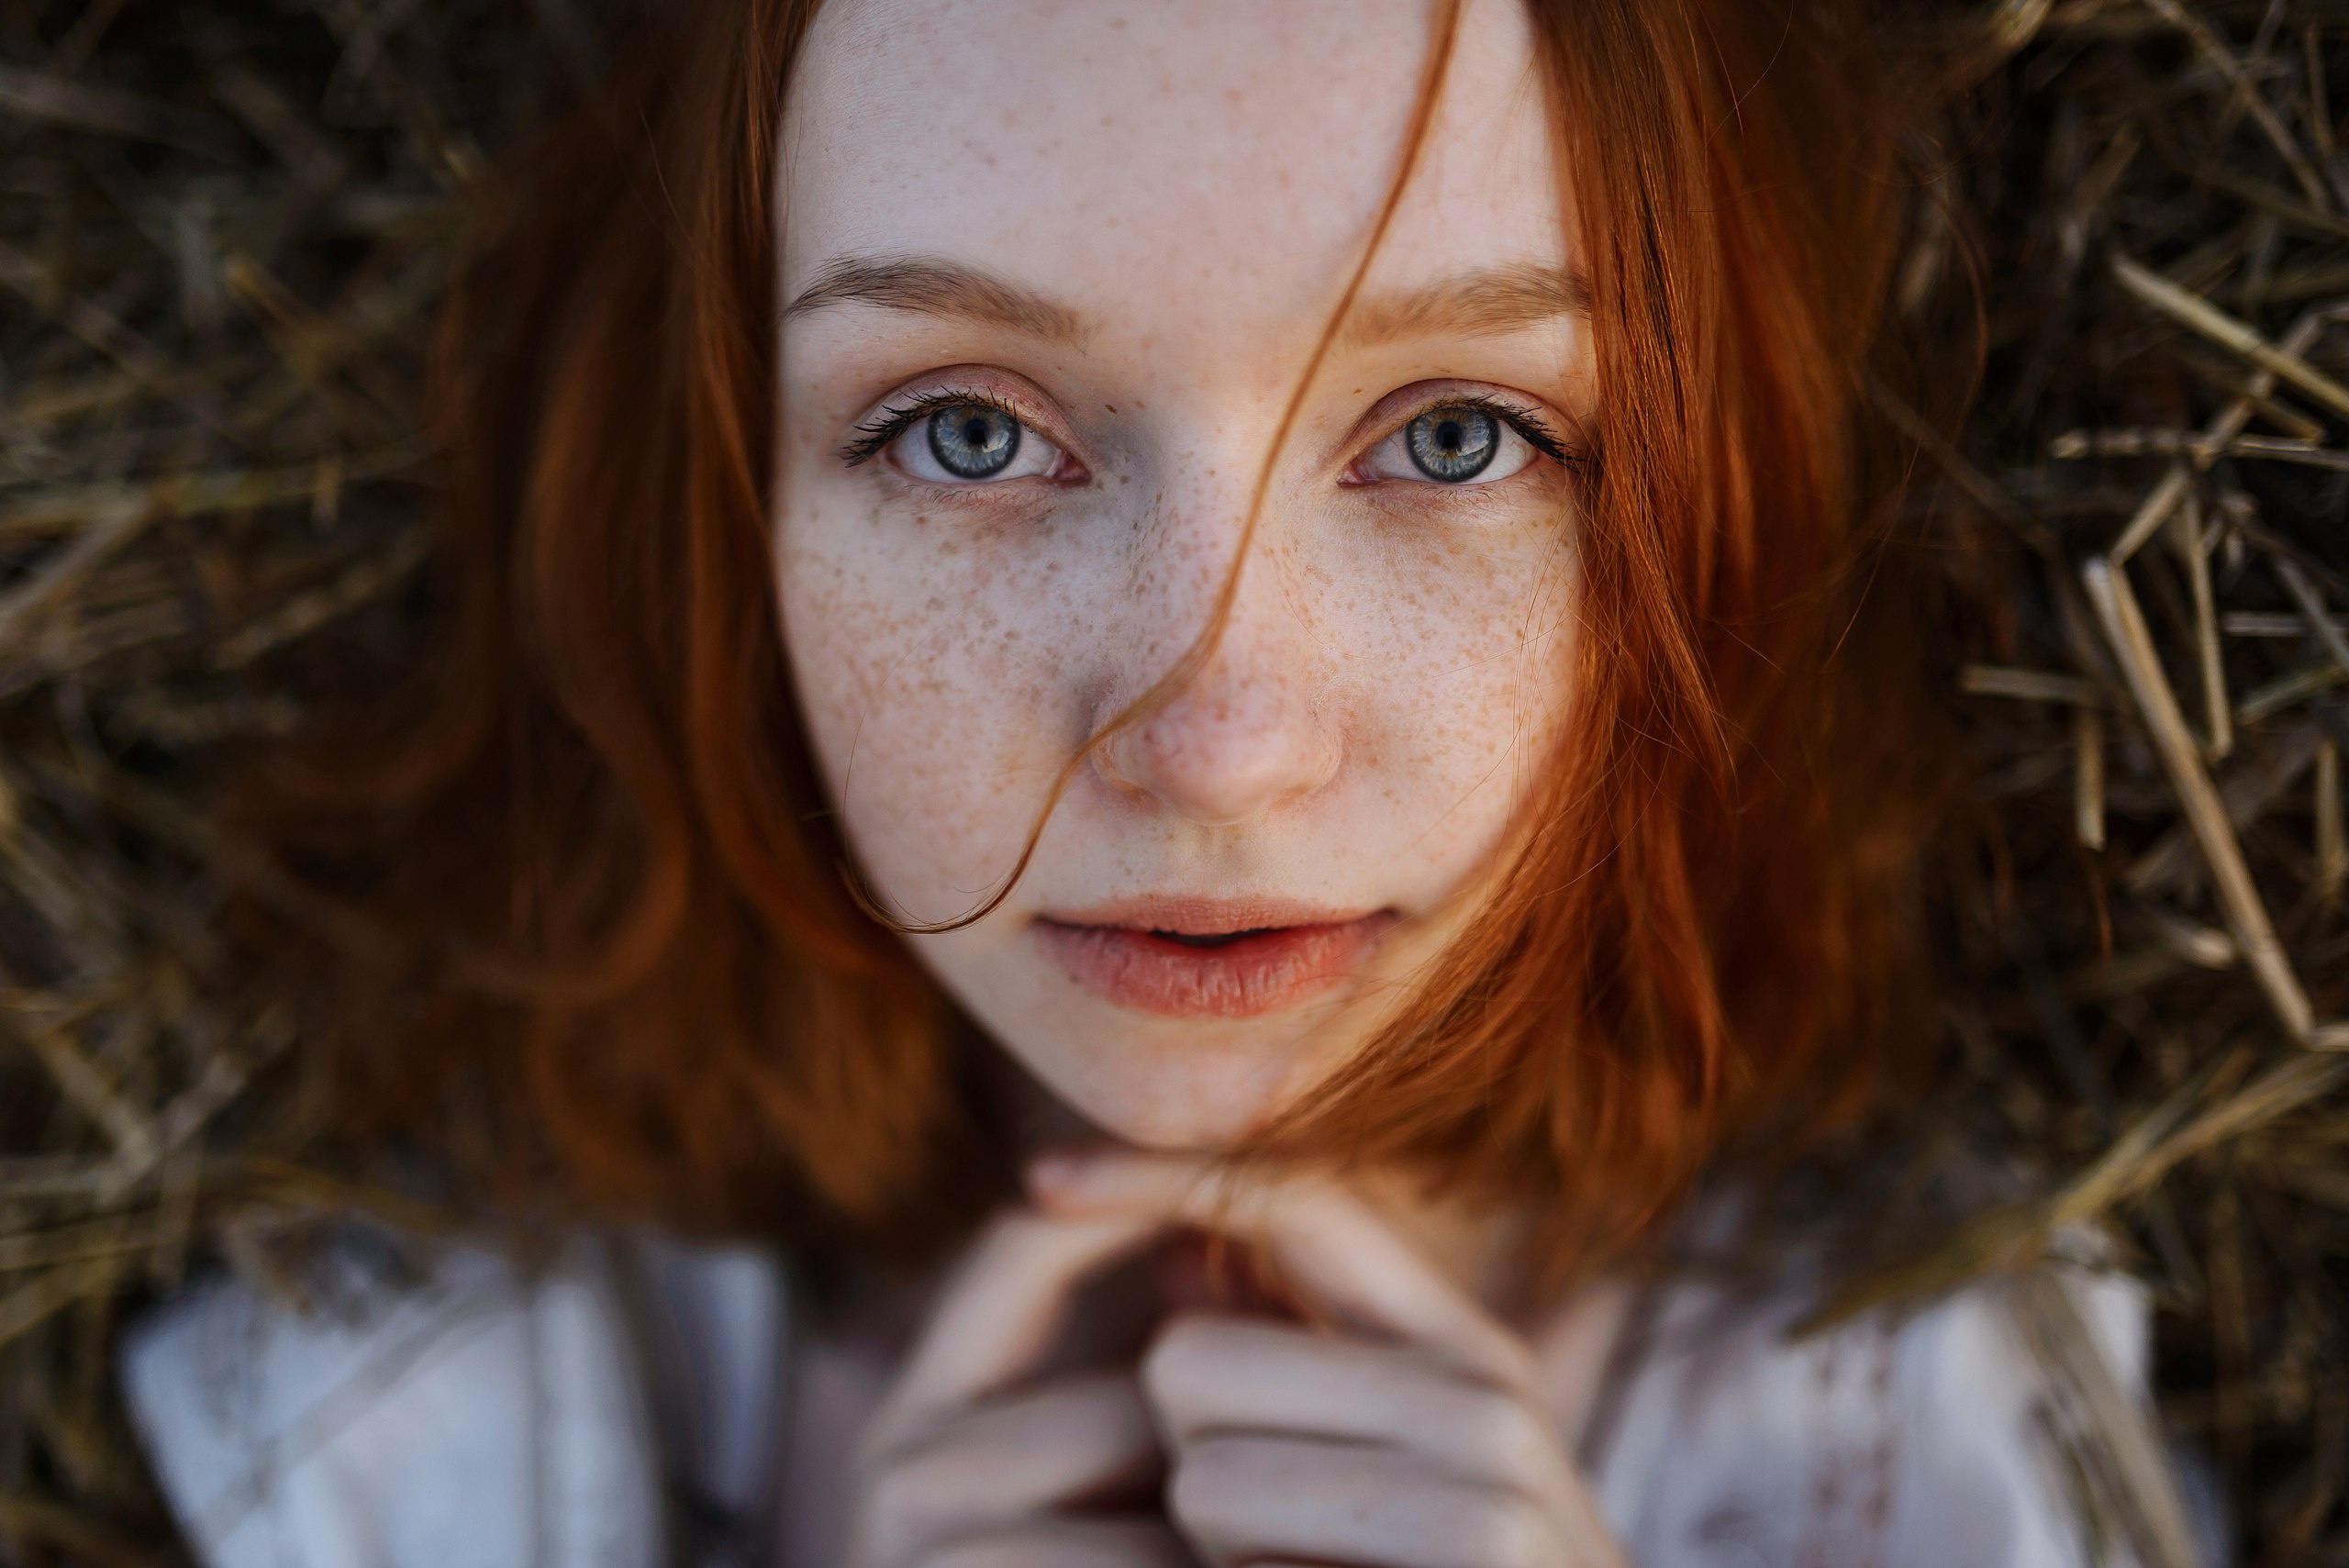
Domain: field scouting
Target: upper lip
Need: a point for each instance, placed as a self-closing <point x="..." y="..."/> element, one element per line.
<point x="1192" y="916"/>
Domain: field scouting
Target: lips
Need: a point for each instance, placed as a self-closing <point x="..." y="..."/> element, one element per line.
<point x="1191" y="958"/>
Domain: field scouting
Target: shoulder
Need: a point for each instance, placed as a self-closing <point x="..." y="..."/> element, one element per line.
<point x="1968" y="1432"/>
<point x="471" y="1411"/>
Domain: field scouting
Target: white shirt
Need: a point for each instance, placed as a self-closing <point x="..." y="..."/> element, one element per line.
<point x="625" y="1406"/>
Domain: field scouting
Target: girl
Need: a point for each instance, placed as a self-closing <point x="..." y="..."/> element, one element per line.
<point x="1200" y="695"/>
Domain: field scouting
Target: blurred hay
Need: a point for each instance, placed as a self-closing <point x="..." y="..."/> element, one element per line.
<point x="221" y="231"/>
<point x="2147" y="1026"/>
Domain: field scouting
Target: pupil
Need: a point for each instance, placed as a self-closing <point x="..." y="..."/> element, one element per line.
<point x="973" y="440"/>
<point x="1451" y="445"/>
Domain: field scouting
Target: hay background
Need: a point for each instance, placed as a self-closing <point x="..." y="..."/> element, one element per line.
<point x="221" y="228"/>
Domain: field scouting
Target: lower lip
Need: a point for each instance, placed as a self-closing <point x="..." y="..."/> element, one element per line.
<point x="1265" y="973"/>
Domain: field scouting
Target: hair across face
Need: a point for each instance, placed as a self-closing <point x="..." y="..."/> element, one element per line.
<point x="1537" y="794"/>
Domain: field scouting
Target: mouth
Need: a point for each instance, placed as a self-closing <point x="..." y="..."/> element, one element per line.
<point x="1190" y="959"/>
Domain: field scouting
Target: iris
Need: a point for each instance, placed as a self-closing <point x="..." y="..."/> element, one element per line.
<point x="972" y="440"/>
<point x="1450" y="445"/>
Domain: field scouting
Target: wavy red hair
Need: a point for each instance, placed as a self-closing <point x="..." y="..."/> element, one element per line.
<point x="572" y="908"/>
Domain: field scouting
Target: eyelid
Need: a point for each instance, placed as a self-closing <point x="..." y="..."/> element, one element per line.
<point x="1525" y="414"/>
<point x="888" y="418"/>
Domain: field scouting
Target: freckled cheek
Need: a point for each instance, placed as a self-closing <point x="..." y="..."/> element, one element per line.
<point x="1477" y="671"/>
<point x="935" y="672"/>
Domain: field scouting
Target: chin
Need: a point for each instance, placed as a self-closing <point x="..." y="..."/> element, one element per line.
<point x="1200" y="1086"/>
<point x="1156" y="1094"/>
<point x="1160" y="1131"/>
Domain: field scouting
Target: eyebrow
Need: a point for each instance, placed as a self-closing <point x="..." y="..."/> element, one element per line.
<point x="1483" y="304"/>
<point x="934" y="286"/>
<point x="1479" y="304"/>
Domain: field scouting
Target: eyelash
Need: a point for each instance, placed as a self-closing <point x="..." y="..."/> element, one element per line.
<point x="1524" y="421"/>
<point x="871" y="439"/>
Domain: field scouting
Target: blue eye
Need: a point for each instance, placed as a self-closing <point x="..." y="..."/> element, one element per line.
<point x="1461" y="441"/>
<point x="958" y="439"/>
<point x="973" y="440"/>
<point x="1452" y="445"/>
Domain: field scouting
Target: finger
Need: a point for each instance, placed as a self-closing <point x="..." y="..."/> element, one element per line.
<point x="1241" y="1499"/>
<point x="1208" y="1375"/>
<point x="999" y="1310"/>
<point x="1069" y="1441"/>
<point x="1066" y="1543"/>
<point x="1328" y="1243"/>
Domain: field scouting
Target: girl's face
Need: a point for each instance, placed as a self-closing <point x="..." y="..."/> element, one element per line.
<point x="1051" y="270"/>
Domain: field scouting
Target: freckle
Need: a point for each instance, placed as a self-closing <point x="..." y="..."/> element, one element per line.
<point x="1110" y="408"/>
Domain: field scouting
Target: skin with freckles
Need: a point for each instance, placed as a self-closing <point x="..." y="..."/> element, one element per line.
<point x="1106" y="237"/>
<point x="1052" y="276"/>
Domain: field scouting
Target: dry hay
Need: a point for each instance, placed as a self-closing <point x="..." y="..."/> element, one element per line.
<point x="221" y="228"/>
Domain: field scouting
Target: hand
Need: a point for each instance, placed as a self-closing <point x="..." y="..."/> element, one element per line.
<point x="1418" y="1440"/>
<point x="962" y="1468"/>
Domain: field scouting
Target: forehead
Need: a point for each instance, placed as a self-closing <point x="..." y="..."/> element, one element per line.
<point x="1210" y="160"/>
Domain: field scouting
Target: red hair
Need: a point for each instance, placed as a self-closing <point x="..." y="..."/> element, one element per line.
<point x="574" y="902"/>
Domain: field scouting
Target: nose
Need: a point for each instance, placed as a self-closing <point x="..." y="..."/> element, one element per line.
<point x="1248" y="733"/>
